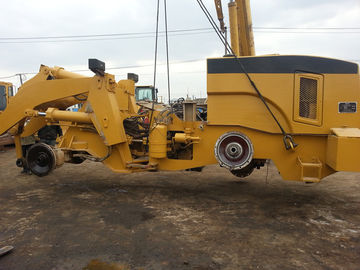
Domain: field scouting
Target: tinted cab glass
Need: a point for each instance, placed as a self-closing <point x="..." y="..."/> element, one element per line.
<point x="3" y="100"/>
<point x="144" y="93"/>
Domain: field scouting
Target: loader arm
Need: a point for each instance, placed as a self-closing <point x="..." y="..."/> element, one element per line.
<point x="40" y="93"/>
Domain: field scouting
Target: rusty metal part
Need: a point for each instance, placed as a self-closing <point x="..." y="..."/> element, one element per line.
<point x="234" y="150"/>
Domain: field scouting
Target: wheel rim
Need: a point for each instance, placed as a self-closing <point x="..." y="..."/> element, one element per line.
<point x="234" y="150"/>
<point x="41" y="159"/>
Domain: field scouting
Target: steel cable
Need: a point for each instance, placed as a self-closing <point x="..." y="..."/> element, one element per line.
<point x="167" y="51"/>
<point x="287" y="137"/>
<point x="155" y="65"/>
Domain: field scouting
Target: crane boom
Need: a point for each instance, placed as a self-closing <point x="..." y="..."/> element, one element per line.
<point x="220" y="15"/>
<point x="242" y="36"/>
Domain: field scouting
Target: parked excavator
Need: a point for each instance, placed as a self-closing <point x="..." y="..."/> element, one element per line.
<point x="299" y="111"/>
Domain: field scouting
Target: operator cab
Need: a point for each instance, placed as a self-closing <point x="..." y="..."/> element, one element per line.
<point x="6" y="91"/>
<point x="146" y="93"/>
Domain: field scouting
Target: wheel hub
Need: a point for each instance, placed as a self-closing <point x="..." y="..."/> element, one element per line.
<point x="41" y="159"/>
<point x="234" y="150"/>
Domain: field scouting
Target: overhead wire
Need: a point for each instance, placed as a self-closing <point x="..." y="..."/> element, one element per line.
<point x="8" y="77"/>
<point x="156" y="42"/>
<point x="136" y="66"/>
<point x="101" y="39"/>
<point x="173" y="31"/>
<point x="114" y="68"/>
<point x="176" y="32"/>
<point x="106" y="35"/>
<point x="133" y="36"/>
<point x="213" y="23"/>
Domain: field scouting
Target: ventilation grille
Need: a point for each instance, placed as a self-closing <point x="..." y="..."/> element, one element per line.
<point x="308" y="98"/>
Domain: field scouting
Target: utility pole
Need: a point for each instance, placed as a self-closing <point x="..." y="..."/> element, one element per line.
<point x="20" y="76"/>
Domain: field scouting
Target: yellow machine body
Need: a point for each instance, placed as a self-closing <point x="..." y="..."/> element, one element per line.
<point x="343" y="146"/>
<point x="158" y="142"/>
<point x="308" y="95"/>
<point x="299" y="111"/>
<point x="311" y="97"/>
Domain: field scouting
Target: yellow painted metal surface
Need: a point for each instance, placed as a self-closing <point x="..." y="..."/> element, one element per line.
<point x="346" y="132"/>
<point x="343" y="148"/>
<point x="33" y="125"/>
<point x="56" y="115"/>
<point x="228" y="93"/>
<point x="158" y="142"/>
<point x="314" y="103"/>
<point x="241" y="31"/>
<point x="102" y="130"/>
<point x="31" y="96"/>
<point x="234" y="33"/>
<point x="314" y="100"/>
<point x="311" y="170"/>
<point x="17" y="140"/>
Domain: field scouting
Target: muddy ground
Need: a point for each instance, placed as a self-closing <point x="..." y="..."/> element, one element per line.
<point x="176" y="220"/>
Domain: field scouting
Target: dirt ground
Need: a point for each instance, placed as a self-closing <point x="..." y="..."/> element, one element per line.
<point x="86" y="217"/>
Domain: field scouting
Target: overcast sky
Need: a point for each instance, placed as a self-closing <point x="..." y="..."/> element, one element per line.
<point x="188" y="50"/>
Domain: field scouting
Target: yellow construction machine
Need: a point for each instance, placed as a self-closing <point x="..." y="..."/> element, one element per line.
<point x="299" y="111"/>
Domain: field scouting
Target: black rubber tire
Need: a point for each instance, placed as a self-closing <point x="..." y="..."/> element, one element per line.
<point x="244" y="172"/>
<point x="77" y="160"/>
<point x="20" y="162"/>
<point x="41" y="159"/>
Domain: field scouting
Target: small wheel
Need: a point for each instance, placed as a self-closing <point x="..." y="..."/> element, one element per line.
<point x="244" y="172"/>
<point x="20" y="162"/>
<point x="41" y="159"/>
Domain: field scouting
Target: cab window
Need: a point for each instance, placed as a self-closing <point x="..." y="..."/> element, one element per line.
<point x="3" y="100"/>
<point x="10" y="91"/>
<point x="144" y="94"/>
